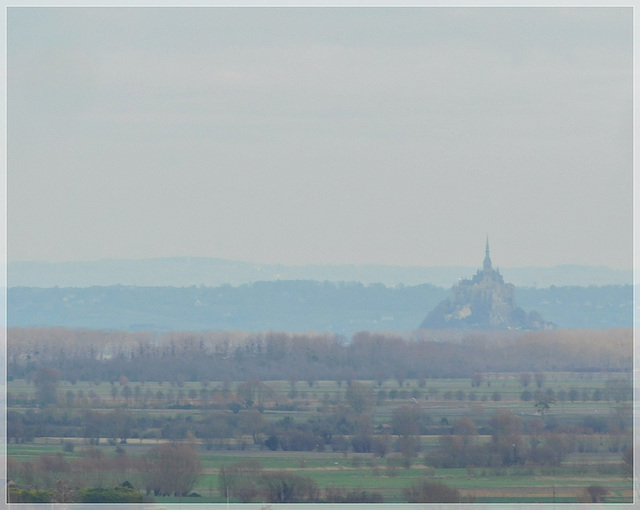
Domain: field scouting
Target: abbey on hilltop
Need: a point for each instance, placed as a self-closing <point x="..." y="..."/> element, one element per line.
<point x="484" y="302"/>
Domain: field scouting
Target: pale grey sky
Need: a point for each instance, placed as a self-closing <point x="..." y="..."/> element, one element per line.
<point x="395" y="136"/>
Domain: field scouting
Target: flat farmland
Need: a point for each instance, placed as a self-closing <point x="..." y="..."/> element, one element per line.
<point x="593" y="457"/>
<point x="365" y="472"/>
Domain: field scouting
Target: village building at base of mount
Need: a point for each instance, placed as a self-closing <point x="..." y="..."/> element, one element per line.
<point x="483" y="302"/>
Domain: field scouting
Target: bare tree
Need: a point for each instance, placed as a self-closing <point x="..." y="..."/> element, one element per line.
<point x="240" y="480"/>
<point x="172" y="469"/>
<point x="593" y="494"/>
<point x="284" y="487"/>
<point x="525" y="379"/>
<point x="431" y="492"/>
<point x="46" y="380"/>
<point x="540" y="379"/>
<point x="360" y="397"/>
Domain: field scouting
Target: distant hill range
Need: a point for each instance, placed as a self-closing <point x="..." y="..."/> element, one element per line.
<point x="212" y="272"/>
<point x="211" y="294"/>
<point x="295" y="306"/>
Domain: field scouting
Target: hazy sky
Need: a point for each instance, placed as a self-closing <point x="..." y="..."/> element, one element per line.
<point x="321" y="135"/>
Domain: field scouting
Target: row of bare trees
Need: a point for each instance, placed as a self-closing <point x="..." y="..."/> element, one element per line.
<point x="226" y="356"/>
<point x="168" y="469"/>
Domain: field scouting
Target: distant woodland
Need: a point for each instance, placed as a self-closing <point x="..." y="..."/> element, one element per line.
<point x="178" y="357"/>
<point x="295" y="306"/>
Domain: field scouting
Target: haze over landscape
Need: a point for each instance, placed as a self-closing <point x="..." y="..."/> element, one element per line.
<point x="213" y="147"/>
<point x="333" y="255"/>
<point x="388" y="136"/>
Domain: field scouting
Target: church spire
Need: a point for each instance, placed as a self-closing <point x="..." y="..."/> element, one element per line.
<point x="487" y="260"/>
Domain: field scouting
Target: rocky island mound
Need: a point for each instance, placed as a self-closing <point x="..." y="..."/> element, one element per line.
<point x="483" y="302"/>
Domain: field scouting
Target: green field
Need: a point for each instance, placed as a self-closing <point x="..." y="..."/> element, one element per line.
<point x="365" y="472"/>
<point x="595" y="459"/>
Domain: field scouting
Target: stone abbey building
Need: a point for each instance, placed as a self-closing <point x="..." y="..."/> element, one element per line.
<point x="483" y="302"/>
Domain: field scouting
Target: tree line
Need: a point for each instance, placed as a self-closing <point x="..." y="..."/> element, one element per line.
<point x="167" y="469"/>
<point x="343" y="308"/>
<point x="173" y="467"/>
<point x="339" y="421"/>
<point x="91" y="355"/>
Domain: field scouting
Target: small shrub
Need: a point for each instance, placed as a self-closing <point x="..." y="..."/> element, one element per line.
<point x="431" y="492"/>
<point x="29" y="496"/>
<point x="627" y="459"/>
<point x="352" y="496"/>
<point x="284" y="487"/>
<point x="115" y="495"/>
<point x="593" y="494"/>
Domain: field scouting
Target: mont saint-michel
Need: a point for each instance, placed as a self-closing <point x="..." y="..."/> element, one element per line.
<point x="483" y="302"/>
